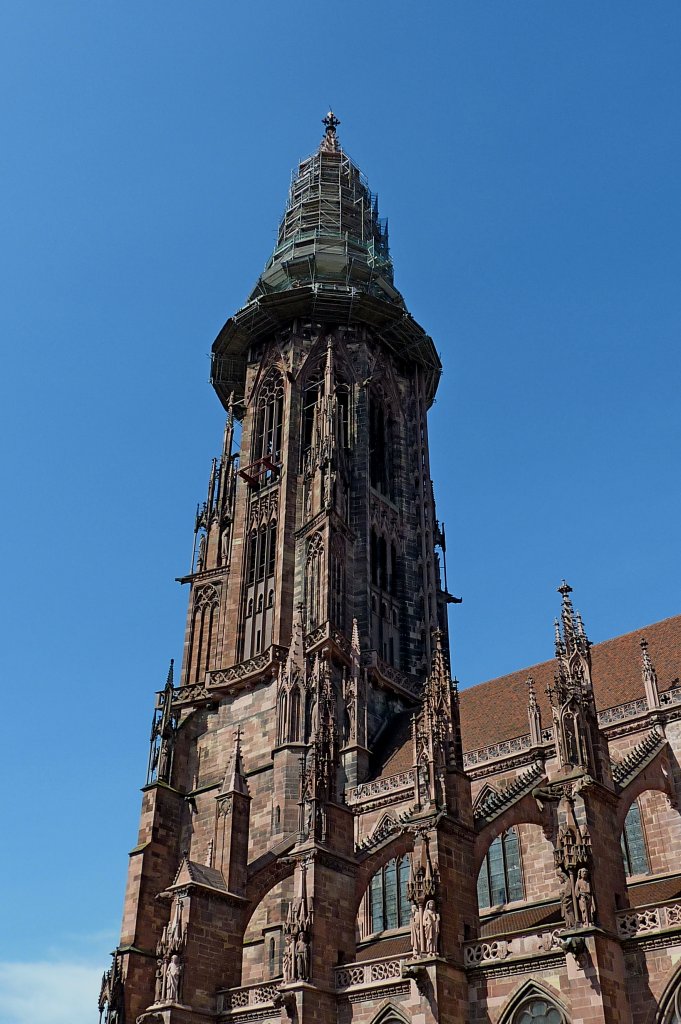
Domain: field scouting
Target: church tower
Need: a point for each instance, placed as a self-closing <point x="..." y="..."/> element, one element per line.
<point x="316" y="630"/>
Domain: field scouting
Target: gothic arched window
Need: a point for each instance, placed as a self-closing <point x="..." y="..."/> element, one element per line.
<point x="633" y="843"/>
<point x="313" y="581"/>
<point x="295" y="716"/>
<point x="338" y="583"/>
<point x="500" y="879"/>
<point x="206" y="604"/>
<point x="283" y="709"/>
<point x="313" y="391"/>
<point x="388" y="903"/>
<point x="672" y="1013"/>
<point x="268" y="422"/>
<point x="538" y="1011"/>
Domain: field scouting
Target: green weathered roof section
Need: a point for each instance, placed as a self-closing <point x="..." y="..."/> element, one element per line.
<point x="332" y="265"/>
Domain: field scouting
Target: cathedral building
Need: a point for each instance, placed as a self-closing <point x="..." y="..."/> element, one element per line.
<point x="330" y="831"/>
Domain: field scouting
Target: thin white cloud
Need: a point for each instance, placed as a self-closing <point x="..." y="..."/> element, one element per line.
<point x="48" y="993"/>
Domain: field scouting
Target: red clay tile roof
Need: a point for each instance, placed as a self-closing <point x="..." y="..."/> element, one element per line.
<point x="392" y="946"/>
<point x="520" y="920"/>
<point x="657" y="890"/>
<point x="497" y="710"/>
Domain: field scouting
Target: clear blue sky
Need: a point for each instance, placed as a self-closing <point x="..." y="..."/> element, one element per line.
<point x="527" y="155"/>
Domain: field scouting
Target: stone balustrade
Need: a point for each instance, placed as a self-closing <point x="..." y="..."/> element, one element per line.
<point x="371" y="972"/>
<point x="537" y="943"/>
<point x="647" y="920"/>
<point x="379" y="787"/>
<point x="246" y="996"/>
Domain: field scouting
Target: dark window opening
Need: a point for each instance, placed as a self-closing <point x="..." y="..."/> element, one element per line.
<point x="500" y="879"/>
<point x="633" y="843"/>
<point x="389" y="905"/>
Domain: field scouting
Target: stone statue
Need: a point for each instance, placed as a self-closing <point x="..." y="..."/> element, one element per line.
<point x="567" y="907"/>
<point x="173" y="979"/>
<point x="287" y="961"/>
<point x="431" y="927"/>
<point x="302" y="957"/>
<point x="158" y="988"/>
<point x="415" y="929"/>
<point x="201" y="559"/>
<point x="164" y="761"/>
<point x="224" y="546"/>
<point x="586" y="904"/>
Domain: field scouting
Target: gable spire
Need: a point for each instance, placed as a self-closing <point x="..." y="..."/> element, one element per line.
<point x="235" y="779"/>
<point x="649" y="677"/>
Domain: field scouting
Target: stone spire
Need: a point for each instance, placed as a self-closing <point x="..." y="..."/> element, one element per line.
<point x="437" y="735"/>
<point x="163" y="729"/>
<point x="533" y="714"/>
<point x="235" y="779"/>
<point x="573" y="706"/>
<point x="567" y="616"/>
<point x="649" y="677"/>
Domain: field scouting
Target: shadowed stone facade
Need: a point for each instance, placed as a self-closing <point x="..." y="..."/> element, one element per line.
<point x="330" y="831"/>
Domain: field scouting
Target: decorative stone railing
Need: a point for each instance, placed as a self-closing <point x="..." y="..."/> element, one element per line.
<point x="370" y="973"/>
<point x="391" y="674"/>
<point x="273" y="656"/>
<point x="632" y="923"/>
<point x="247" y="995"/>
<point x="623" y="711"/>
<point x="479" y="954"/>
<point x="609" y="716"/>
<point x="496" y="751"/>
<point x="327" y="631"/>
<point x="379" y="787"/>
<point x="188" y="694"/>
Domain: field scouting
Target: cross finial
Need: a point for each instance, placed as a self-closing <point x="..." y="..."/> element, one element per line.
<point x="330" y="140"/>
<point x="330" y="122"/>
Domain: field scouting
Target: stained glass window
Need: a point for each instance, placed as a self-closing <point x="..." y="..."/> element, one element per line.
<point x="500" y="879"/>
<point x="389" y="905"/>
<point x="633" y="843"/>
<point x="538" y="1011"/>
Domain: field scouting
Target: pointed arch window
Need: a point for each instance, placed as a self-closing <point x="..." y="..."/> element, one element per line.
<point x="539" y="1011"/>
<point x="295" y="716"/>
<point x="672" y="1013"/>
<point x="313" y="392"/>
<point x="313" y="581"/>
<point x="388" y="902"/>
<point x="500" y="879"/>
<point x="203" y="630"/>
<point x="269" y="416"/>
<point x="633" y="843"/>
<point x="283" y="715"/>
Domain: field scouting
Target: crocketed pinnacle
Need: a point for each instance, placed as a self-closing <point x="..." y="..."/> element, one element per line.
<point x="567" y="616"/>
<point x="439" y="670"/>
<point x="235" y="780"/>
